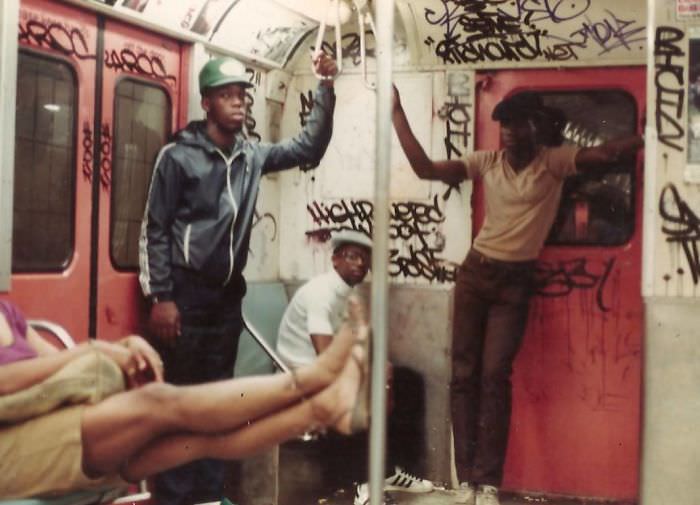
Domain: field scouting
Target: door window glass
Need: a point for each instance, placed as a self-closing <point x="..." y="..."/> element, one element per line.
<point x="597" y="206"/>
<point x="44" y="181"/>
<point x="142" y="119"/>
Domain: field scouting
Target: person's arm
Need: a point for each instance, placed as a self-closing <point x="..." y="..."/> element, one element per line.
<point x="319" y="319"/>
<point x="134" y="356"/>
<point x="612" y="151"/>
<point x="321" y="342"/>
<point x="309" y="146"/>
<point x="155" y="246"/>
<point x="448" y="171"/>
<point x="20" y="375"/>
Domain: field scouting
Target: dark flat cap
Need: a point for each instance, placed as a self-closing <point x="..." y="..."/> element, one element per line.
<point x="524" y="105"/>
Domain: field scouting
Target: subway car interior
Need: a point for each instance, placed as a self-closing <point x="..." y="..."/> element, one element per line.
<point x="604" y="387"/>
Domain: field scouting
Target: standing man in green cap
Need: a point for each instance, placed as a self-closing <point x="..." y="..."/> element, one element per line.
<point x="195" y="235"/>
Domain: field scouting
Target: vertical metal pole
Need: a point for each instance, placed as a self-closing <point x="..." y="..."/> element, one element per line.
<point x="9" y="20"/>
<point x="380" y="257"/>
<point x="650" y="145"/>
<point x="648" y="476"/>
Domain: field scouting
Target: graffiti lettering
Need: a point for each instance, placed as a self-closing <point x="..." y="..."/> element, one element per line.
<point x="681" y="226"/>
<point x="86" y="164"/>
<point x="266" y="224"/>
<point x="495" y="30"/>
<point x="561" y="278"/>
<point x="670" y="89"/>
<point x="457" y="125"/>
<point x="141" y="63"/>
<point x="353" y="215"/>
<point x="421" y="264"/>
<point x="250" y="122"/>
<point x="105" y="157"/>
<point x="413" y="230"/>
<point x="532" y="11"/>
<point x="68" y="41"/>
<point x="610" y="33"/>
<point x="307" y="104"/>
<point x="350" y="43"/>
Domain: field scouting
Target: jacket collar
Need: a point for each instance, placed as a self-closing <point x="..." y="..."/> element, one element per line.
<point x="195" y="134"/>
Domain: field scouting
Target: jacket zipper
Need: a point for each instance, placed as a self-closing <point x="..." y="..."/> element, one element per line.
<point x="229" y="162"/>
<point x="188" y="231"/>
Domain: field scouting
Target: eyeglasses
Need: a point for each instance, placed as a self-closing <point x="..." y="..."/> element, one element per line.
<point x="357" y="258"/>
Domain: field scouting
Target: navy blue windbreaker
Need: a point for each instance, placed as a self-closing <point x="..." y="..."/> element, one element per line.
<point x="201" y="203"/>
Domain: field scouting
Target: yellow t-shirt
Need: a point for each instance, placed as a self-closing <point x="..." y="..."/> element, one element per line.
<point x="520" y="207"/>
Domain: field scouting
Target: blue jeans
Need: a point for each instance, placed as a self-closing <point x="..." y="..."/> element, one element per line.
<point x="205" y="351"/>
<point x="491" y="306"/>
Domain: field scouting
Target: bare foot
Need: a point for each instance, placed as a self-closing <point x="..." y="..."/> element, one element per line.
<point x="344" y="404"/>
<point x="330" y="363"/>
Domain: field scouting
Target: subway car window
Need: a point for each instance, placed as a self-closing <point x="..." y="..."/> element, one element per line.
<point x="44" y="183"/>
<point x="597" y="207"/>
<point x="142" y="118"/>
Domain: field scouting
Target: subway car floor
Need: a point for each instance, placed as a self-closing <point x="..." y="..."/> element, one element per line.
<point x="306" y="477"/>
<point x="446" y="497"/>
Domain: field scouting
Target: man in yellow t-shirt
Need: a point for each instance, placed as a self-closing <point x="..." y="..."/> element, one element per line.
<point x="522" y="187"/>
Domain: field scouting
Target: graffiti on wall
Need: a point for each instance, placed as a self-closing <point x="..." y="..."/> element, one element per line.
<point x="670" y="88"/>
<point x="105" y="157"/>
<point x="456" y="113"/>
<point x="67" y="40"/>
<point x="139" y="61"/>
<point x="414" y="231"/>
<point x="86" y="162"/>
<point x="263" y="225"/>
<point x="561" y="278"/>
<point x="457" y="134"/>
<point x="350" y="44"/>
<point x="477" y="31"/>
<point x="306" y="100"/>
<point x="250" y="122"/>
<point x="681" y="226"/>
<point x="590" y="324"/>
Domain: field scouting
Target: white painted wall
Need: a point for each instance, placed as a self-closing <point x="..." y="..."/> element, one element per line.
<point x="429" y="234"/>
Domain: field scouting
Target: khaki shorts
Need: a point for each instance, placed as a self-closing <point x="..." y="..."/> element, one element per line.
<point x="43" y="456"/>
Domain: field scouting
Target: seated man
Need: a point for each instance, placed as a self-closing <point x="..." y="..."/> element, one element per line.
<point x="151" y="426"/>
<point x="312" y="319"/>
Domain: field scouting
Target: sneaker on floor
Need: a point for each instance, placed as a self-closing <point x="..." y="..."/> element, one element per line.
<point x="487" y="495"/>
<point x="362" y="496"/>
<point x="465" y="494"/>
<point x="404" y="481"/>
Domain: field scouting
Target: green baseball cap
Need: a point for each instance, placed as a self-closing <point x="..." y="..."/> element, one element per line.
<point x="220" y="71"/>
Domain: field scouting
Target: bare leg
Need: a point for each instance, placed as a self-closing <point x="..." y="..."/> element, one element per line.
<point x="122" y="425"/>
<point x="333" y="406"/>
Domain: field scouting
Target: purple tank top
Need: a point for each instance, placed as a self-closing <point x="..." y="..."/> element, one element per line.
<point x="19" y="349"/>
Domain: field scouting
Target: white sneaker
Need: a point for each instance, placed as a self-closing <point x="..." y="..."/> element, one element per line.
<point x="465" y="494"/>
<point x="404" y="481"/>
<point x="362" y="496"/>
<point x="487" y="495"/>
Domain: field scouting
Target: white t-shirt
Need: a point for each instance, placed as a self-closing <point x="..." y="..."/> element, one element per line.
<point x="316" y="309"/>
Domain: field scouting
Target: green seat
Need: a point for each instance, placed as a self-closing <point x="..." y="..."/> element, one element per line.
<point x="263" y="308"/>
<point x="92" y="497"/>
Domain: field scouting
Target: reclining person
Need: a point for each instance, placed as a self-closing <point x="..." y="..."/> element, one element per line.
<point x="152" y="426"/>
<point x="308" y="328"/>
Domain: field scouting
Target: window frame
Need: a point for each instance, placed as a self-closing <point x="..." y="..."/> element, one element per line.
<point x="626" y="168"/>
<point x="115" y="120"/>
<point x="70" y="255"/>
